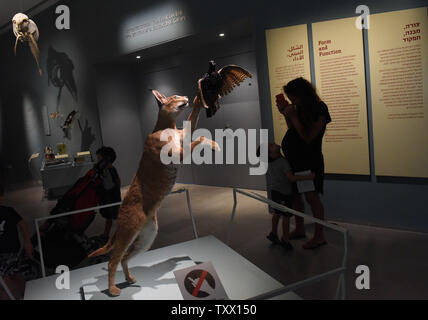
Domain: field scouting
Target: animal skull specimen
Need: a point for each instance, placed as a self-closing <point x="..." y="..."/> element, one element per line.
<point x="26" y="30"/>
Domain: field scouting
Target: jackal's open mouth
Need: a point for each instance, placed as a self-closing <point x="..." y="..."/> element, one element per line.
<point x="184" y="105"/>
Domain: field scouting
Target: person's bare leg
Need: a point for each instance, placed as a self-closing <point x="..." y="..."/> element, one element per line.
<point x="107" y="227"/>
<point x="273" y="235"/>
<point x="298" y="205"/>
<point x="275" y="221"/>
<point x="285" y="228"/>
<point x="317" y="207"/>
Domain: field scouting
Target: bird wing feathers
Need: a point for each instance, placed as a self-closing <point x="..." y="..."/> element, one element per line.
<point x="232" y="76"/>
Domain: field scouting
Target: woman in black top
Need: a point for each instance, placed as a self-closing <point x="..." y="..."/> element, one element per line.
<point x="306" y="119"/>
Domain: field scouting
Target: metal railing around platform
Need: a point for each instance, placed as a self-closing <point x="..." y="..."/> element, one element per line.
<point x="341" y="287"/>
<point x="36" y="221"/>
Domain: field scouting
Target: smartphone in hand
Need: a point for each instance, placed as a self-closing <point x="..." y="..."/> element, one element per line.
<point x="280" y="99"/>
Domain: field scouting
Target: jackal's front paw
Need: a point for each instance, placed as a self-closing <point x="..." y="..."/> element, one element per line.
<point x="114" y="291"/>
<point x="131" y="279"/>
<point x="215" y="146"/>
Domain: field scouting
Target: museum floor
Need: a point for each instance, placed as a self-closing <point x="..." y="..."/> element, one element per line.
<point x="397" y="259"/>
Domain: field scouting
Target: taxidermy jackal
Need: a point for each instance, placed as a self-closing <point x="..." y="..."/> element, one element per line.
<point x="137" y="221"/>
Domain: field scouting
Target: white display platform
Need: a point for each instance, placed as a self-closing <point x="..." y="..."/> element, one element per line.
<point x="155" y="280"/>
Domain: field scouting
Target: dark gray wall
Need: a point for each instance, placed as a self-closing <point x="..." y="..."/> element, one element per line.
<point x="240" y="109"/>
<point x="119" y="117"/>
<point x="24" y="93"/>
<point x="388" y="202"/>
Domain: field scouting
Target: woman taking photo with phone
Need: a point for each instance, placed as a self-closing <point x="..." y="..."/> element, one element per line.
<point x="307" y="117"/>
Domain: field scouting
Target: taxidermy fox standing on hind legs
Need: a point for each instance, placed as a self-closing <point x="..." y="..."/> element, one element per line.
<point x="137" y="222"/>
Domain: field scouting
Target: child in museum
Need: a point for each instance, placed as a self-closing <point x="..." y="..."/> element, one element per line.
<point x="11" y="224"/>
<point x="110" y="192"/>
<point x="279" y="180"/>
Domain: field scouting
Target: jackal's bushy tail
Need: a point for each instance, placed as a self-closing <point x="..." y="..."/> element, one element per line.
<point x="104" y="250"/>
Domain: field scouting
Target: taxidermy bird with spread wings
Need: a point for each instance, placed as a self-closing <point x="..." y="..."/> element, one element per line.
<point x="26" y="30"/>
<point x="216" y="84"/>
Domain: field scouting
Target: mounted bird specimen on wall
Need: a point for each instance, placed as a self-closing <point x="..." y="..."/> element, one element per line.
<point x="54" y="115"/>
<point x="72" y="116"/>
<point x="216" y="84"/>
<point x="26" y="30"/>
<point x="60" y="73"/>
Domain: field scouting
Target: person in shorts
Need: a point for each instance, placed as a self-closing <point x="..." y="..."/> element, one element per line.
<point x="280" y="179"/>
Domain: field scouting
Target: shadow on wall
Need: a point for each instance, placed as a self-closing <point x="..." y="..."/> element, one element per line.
<point x="87" y="138"/>
<point x="60" y="73"/>
<point x="22" y="130"/>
